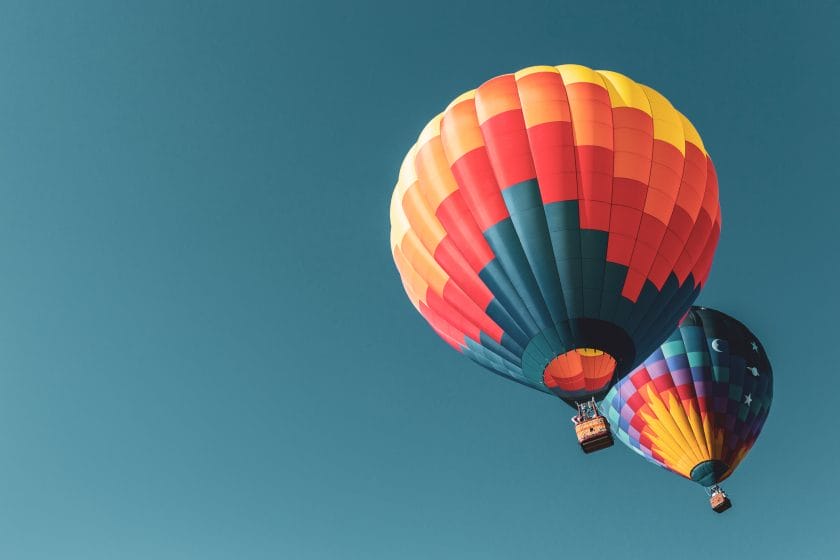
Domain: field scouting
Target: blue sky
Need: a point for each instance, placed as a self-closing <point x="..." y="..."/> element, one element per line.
<point x="205" y="351"/>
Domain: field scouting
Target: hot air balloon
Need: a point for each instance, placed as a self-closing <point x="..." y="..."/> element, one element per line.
<point x="697" y="404"/>
<point x="554" y="225"/>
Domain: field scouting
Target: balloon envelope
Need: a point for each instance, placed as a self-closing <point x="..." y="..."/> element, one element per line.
<point x="698" y="403"/>
<point x="554" y="225"/>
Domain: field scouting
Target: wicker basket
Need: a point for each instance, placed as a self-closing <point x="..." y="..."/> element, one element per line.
<point x="594" y="434"/>
<point x="720" y="502"/>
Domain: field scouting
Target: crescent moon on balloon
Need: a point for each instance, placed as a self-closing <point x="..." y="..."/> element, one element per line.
<point x="716" y="346"/>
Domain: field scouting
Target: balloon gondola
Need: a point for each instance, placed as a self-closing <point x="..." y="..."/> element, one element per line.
<point x="591" y="427"/>
<point x="718" y="500"/>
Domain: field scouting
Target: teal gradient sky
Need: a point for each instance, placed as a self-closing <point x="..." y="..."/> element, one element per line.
<point x="205" y="351"/>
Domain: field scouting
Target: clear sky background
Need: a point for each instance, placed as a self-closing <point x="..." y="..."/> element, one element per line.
<point x="205" y="351"/>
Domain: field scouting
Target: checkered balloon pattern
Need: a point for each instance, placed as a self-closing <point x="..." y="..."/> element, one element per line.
<point x="698" y="403"/>
<point x="554" y="225"/>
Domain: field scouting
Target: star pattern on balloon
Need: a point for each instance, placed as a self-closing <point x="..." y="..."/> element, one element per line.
<point x="655" y="412"/>
<point x="754" y="346"/>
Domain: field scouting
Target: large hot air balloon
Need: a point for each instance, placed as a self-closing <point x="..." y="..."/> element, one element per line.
<point x="697" y="404"/>
<point x="554" y="225"/>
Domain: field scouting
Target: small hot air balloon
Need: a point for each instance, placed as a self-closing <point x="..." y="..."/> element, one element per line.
<point x="554" y="225"/>
<point x="697" y="404"/>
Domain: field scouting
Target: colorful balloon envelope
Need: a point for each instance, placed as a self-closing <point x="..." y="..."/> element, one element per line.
<point x="698" y="403"/>
<point x="554" y="225"/>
